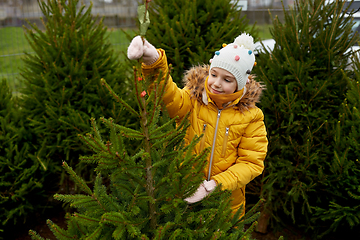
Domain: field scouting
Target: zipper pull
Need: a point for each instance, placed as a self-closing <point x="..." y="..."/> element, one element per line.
<point x="202" y="143"/>
<point x="225" y="142"/>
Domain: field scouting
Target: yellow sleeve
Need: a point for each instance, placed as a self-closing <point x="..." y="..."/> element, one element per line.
<point x="251" y="154"/>
<point x="177" y="101"/>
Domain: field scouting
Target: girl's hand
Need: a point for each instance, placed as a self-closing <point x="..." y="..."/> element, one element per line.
<point x="138" y="49"/>
<point x="204" y="189"/>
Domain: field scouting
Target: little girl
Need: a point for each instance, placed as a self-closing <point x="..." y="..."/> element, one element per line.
<point x="221" y="100"/>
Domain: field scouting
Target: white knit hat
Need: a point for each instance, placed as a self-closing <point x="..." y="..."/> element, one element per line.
<point x="237" y="58"/>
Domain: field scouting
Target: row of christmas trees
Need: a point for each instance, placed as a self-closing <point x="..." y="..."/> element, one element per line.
<point x="311" y="107"/>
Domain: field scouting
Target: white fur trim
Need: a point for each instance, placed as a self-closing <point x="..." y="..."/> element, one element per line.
<point x="243" y="93"/>
<point x="205" y="98"/>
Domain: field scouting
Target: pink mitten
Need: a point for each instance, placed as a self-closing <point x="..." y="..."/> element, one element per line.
<point x="135" y="49"/>
<point x="138" y="49"/>
<point x="151" y="55"/>
<point x="204" y="189"/>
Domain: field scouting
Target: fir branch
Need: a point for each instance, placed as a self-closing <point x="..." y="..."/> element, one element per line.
<point x="94" y="145"/>
<point x="163" y="126"/>
<point x="103" y="165"/>
<point x="99" y="190"/>
<point x="58" y="231"/>
<point x="112" y="202"/>
<point x="119" y="233"/>
<point x="119" y="145"/>
<point x="125" y="187"/>
<point x="87" y="203"/>
<point x="62" y="120"/>
<point x="356" y="197"/>
<point x="128" y="132"/>
<point x="115" y="218"/>
<point x="78" y="181"/>
<point x="164" y="138"/>
<point x="95" y="129"/>
<point x="249" y="231"/>
<point x="177" y="140"/>
<point x="133" y="231"/>
<point x="74" y="224"/>
<point x="155" y="109"/>
<point x="96" y="233"/>
<point x="97" y="142"/>
<point x="35" y="236"/>
<point x="175" y="234"/>
<point x="70" y="198"/>
<point x="89" y="220"/>
<point x="161" y="162"/>
<point x="89" y="159"/>
<point x="160" y="233"/>
<point x="137" y="155"/>
<point x="125" y="170"/>
<point x="254" y="209"/>
<point x="118" y="99"/>
<point x="135" y="193"/>
<point x="138" y="178"/>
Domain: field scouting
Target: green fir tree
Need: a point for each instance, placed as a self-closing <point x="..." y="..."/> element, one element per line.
<point x="342" y="213"/>
<point x="143" y="197"/>
<point x="22" y="175"/>
<point x="62" y="79"/>
<point x="306" y="86"/>
<point x="191" y="31"/>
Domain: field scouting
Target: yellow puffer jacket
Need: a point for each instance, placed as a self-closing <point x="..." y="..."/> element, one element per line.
<point x="236" y="134"/>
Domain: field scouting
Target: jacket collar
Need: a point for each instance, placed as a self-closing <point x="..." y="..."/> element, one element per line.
<point x="206" y="97"/>
<point x="194" y="82"/>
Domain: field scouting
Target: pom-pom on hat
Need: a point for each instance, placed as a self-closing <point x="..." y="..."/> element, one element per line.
<point x="237" y="58"/>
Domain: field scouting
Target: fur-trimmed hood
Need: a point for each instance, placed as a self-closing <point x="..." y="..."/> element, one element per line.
<point x="194" y="81"/>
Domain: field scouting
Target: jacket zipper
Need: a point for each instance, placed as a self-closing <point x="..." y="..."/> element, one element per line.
<point x="202" y="143"/>
<point x="225" y="142"/>
<point x="213" y="145"/>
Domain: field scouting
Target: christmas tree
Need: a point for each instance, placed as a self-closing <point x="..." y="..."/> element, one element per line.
<point x="342" y="213"/>
<point x="62" y="79"/>
<point x="22" y="175"/>
<point x="141" y="196"/>
<point x="306" y="85"/>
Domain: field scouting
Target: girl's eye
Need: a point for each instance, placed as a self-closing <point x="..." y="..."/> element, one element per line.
<point x="227" y="80"/>
<point x="213" y="75"/>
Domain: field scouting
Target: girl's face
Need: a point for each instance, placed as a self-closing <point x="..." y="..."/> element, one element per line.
<point x="221" y="81"/>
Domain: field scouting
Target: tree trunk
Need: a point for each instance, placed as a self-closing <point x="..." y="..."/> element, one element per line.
<point x="263" y="221"/>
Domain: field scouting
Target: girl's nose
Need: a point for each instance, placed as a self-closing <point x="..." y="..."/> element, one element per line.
<point x="217" y="82"/>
